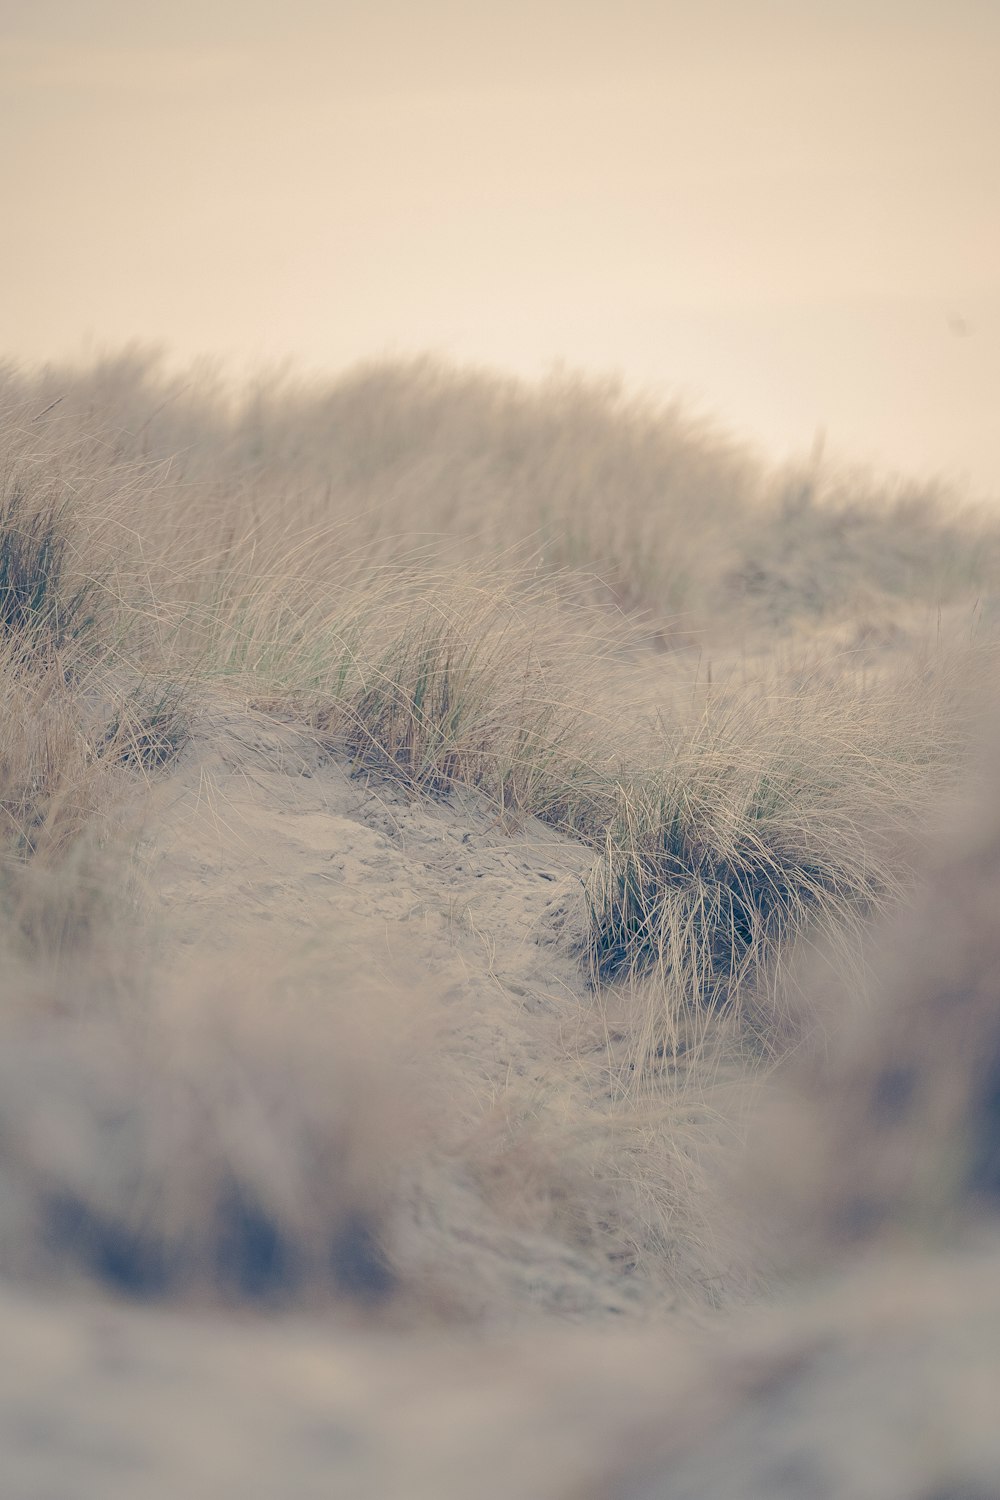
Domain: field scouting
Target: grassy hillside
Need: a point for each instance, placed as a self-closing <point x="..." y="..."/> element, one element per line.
<point x="743" y="694"/>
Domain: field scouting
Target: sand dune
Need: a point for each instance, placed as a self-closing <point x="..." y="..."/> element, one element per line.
<point x="499" y="953"/>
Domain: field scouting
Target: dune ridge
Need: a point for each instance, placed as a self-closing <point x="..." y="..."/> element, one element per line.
<point x="496" y="896"/>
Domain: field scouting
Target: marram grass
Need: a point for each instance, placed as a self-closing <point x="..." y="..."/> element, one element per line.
<point x="773" y="816"/>
<point x="350" y="559"/>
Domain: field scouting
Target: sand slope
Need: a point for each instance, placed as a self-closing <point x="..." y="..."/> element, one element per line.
<point x="261" y="842"/>
<point x="515" y="1355"/>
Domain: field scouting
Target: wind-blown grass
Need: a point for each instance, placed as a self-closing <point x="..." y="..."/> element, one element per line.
<point x="451" y="582"/>
<point x="479" y="683"/>
<point x="36" y="608"/>
<point x="775" y="814"/>
<point x="277" y="547"/>
<point x="663" y="514"/>
<point x="78" y="707"/>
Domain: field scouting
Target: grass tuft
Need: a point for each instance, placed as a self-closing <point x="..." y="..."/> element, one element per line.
<point x="774" y="814"/>
<point x="149" y="727"/>
<point x="39" y="609"/>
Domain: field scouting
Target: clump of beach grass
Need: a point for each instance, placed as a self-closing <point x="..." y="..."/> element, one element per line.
<point x="774" y="814"/>
<point x="484" y="683"/>
<point x="75" y="619"/>
<point x="37" y="608"/>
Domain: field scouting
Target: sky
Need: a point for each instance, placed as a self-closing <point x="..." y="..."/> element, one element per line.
<point x="785" y="212"/>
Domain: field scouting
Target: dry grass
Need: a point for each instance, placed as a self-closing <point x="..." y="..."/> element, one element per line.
<point x="665" y="515"/>
<point x="74" y="708"/>
<point x="775" y="814"/>
<point x="889" y="1135"/>
<point x="452" y="581"/>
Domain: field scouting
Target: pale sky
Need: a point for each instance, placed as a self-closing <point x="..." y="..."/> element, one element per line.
<point x="787" y="211"/>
